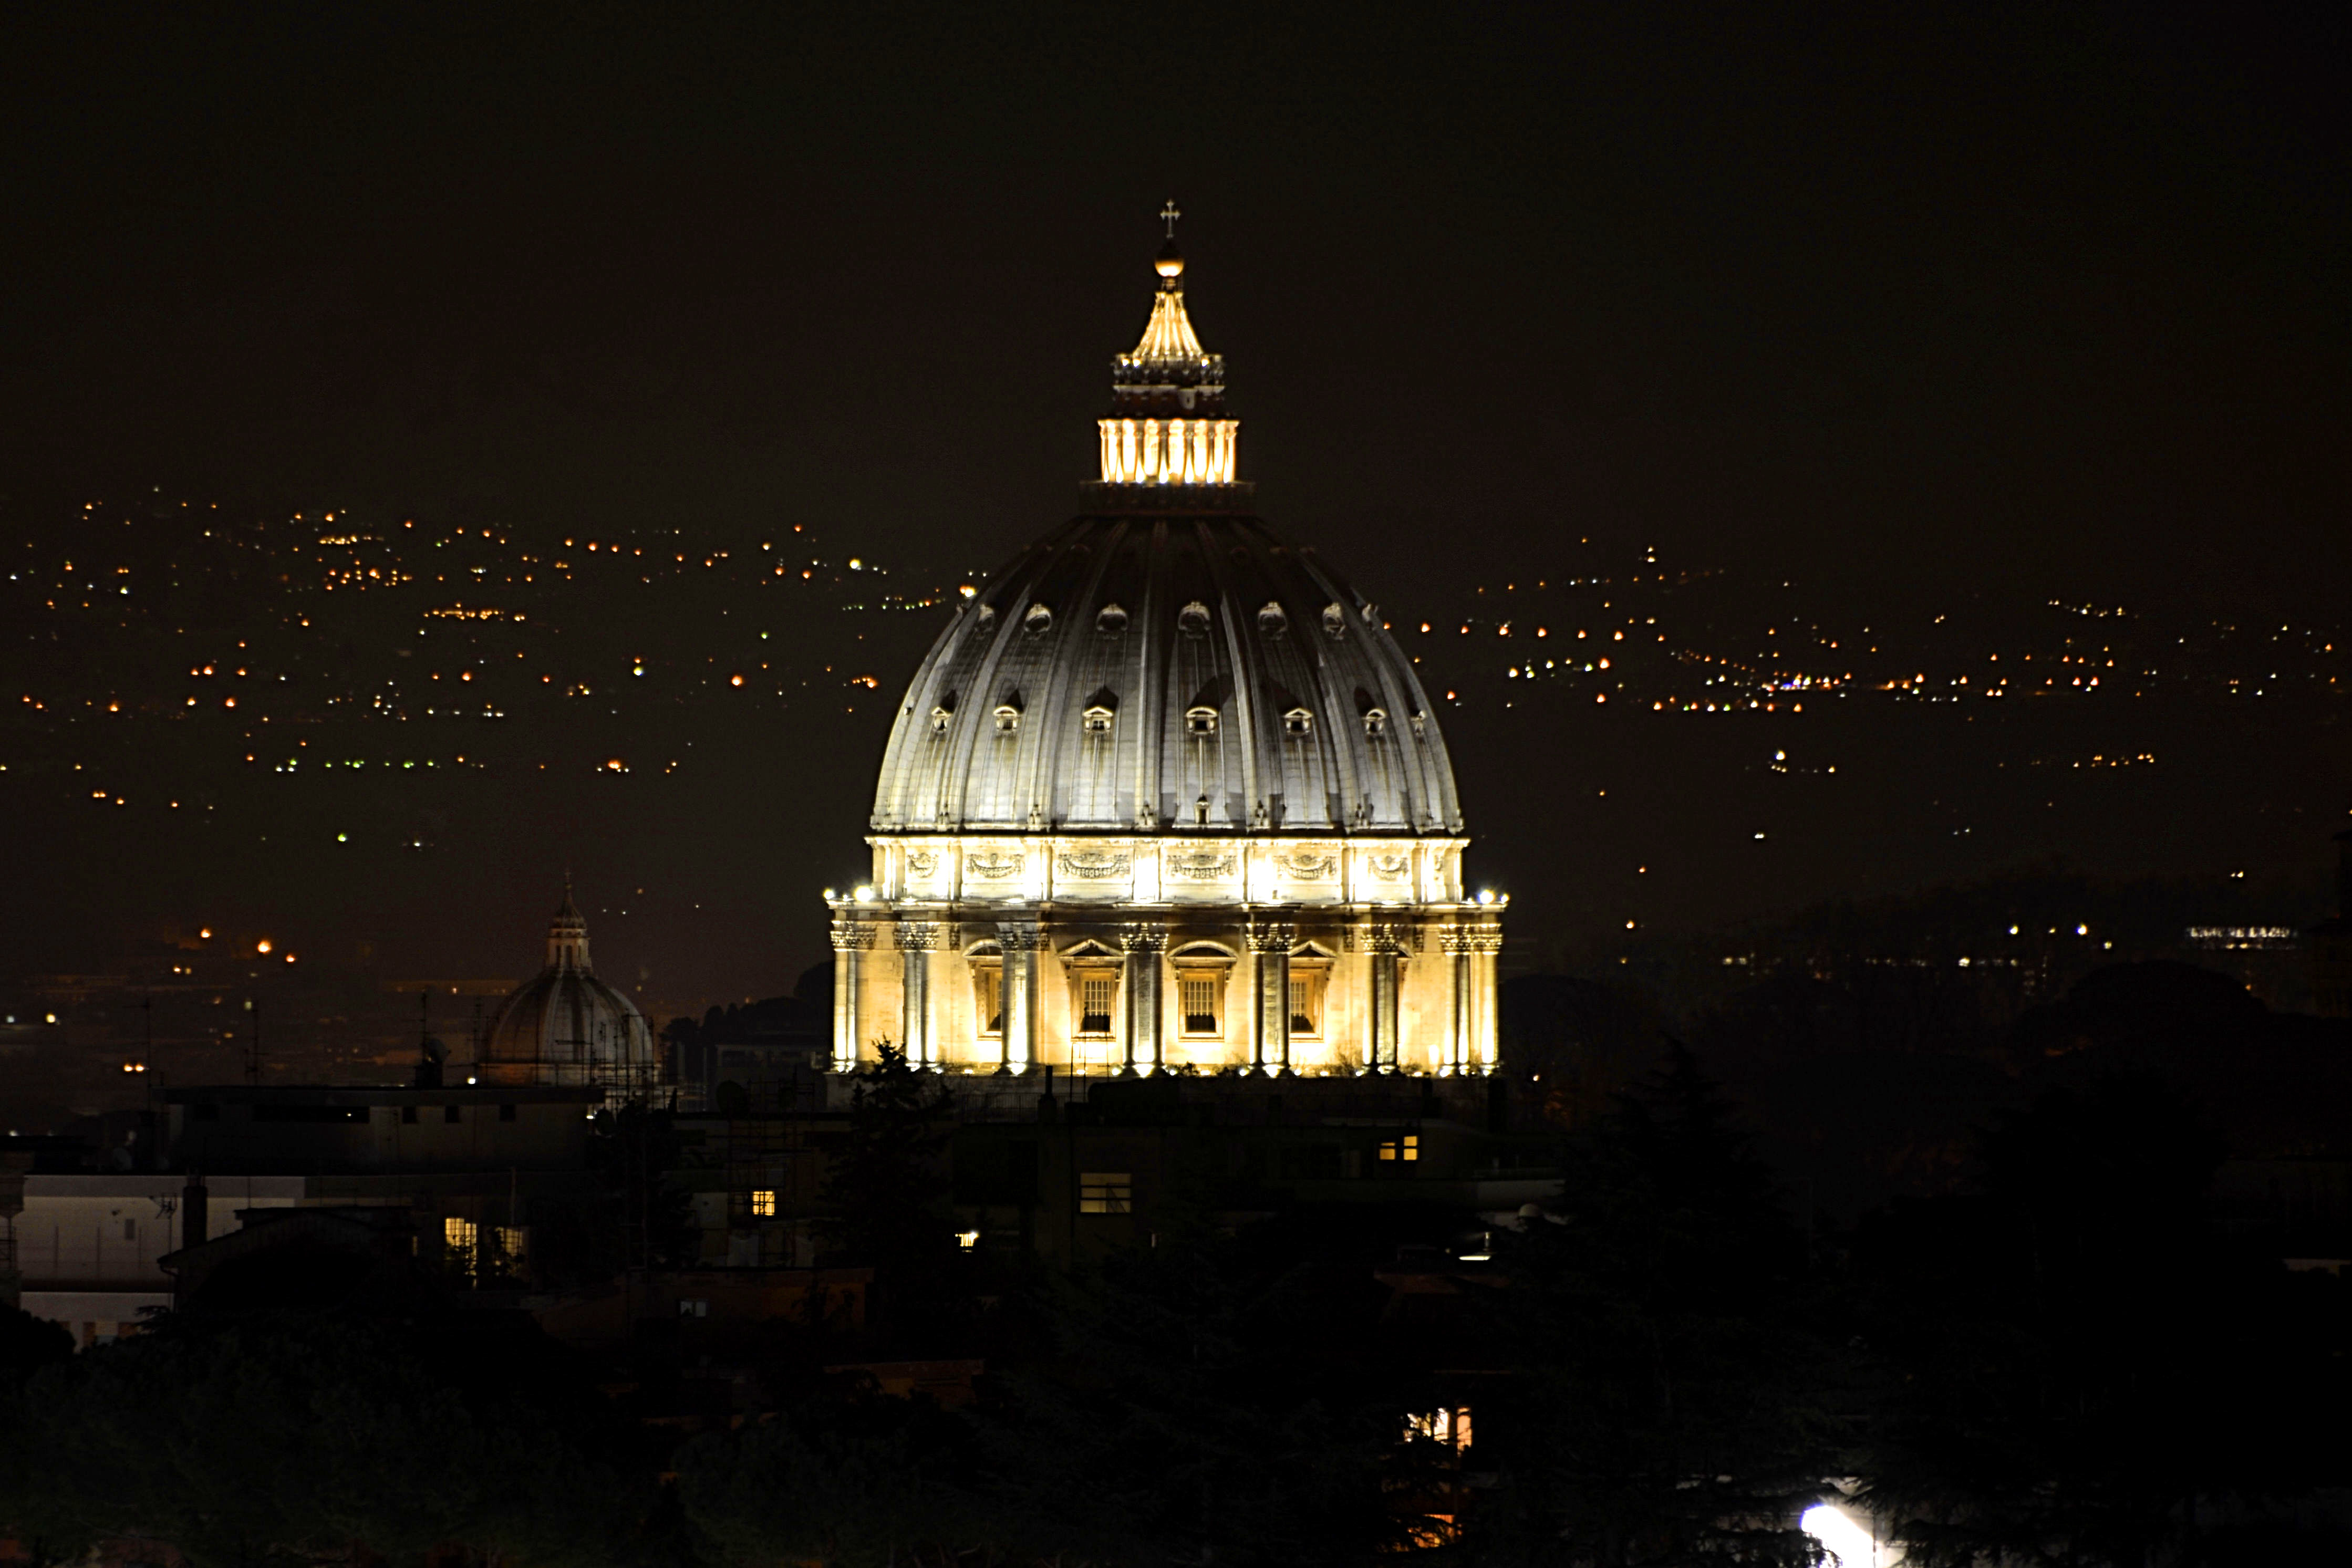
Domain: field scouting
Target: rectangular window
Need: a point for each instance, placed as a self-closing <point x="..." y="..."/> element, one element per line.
<point x="988" y="995"/>
<point x="694" y="1307"/>
<point x="1307" y="1002"/>
<point x="458" y="1235"/>
<point x="1447" y="1428"/>
<point x="763" y="1202"/>
<point x="1106" y="1191"/>
<point x="1095" y="996"/>
<point x="1407" y="1147"/>
<point x="453" y="1114"/>
<point x="131" y="1230"/>
<point x="511" y="1242"/>
<point x="1199" y="995"/>
<point x="408" y="1115"/>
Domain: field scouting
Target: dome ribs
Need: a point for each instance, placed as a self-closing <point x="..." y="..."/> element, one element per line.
<point x="1216" y="612"/>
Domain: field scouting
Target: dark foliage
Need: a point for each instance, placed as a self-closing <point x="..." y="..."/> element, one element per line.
<point x="2080" y="1366"/>
<point x="887" y="1195"/>
<point x="303" y="1437"/>
<point x="1676" y="1402"/>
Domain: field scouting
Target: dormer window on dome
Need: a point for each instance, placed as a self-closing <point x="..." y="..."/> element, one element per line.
<point x="1376" y="722"/>
<point x="1038" y="620"/>
<point x="1297" y="722"/>
<point x="940" y="718"/>
<point x="1110" y="618"/>
<point x="1008" y="718"/>
<point x="1271" y="620"/>
<point x="1194" y="620"/>
<point x="1096" y="720"/>
<point x="1335" y="620"/>
<point x="1199" y="722"/>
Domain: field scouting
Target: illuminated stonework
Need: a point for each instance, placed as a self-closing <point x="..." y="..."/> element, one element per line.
<point x="1166" y="796"/>
<point x="1168" y="398"/>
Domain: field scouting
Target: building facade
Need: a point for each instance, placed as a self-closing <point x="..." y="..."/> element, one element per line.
<point x="1166" y="796"/>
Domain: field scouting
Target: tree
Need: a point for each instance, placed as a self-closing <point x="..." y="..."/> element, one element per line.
<point x="292" y="1439"/>
<point x="2082" y="1362"/>
<point x="887" y="1193"/>
<point x="1674" y="1400"/>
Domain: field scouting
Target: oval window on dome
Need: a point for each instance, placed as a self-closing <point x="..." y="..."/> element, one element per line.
<point x="1110" y="618"/>
<point x="1199" y="722"/>
<point x="1194" y="620"/>
<point x="1038" y="618"/>
<point x="1271" y="620"/>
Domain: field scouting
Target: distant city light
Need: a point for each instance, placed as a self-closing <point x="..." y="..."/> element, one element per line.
<point x="262" y="945"/>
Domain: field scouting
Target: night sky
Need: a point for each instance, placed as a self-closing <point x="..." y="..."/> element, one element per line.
<point x="1823" y="325"/>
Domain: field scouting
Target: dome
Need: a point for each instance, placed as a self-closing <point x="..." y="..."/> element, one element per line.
<point x="567" y="1027"/>
<point x="1173" y="669"/>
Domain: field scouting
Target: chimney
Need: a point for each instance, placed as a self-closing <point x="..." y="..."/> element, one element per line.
<point x="193" y="1217"/>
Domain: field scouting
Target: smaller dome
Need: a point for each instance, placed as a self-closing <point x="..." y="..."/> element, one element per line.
<point x="567" y="1027"/>
<point x="1171" y="261"/>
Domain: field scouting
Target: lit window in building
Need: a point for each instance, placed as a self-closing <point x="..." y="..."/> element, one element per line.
<point x="511" y="1242"/>
<point x="1106" y="1191"/>
<point x="1407" y="1147"/>
<point x="1307" y="1002"/>
<point x="968" y="1239"/>
<point x="1095" y="993"/>
<point x="1199" y="995"/>
<point x="458" y="1235"/>
<point x="1450" y="1427"/>
<point x="763" y="1202"/>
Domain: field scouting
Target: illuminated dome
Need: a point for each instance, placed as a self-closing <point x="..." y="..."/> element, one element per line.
<point x="567" y="1027"/>
<point x="1158" y="670"/>
<point x="1166" y="796"/>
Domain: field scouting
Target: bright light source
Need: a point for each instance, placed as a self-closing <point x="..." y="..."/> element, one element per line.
<point x="1848" y="1542"/>
<point x="205" y="933"/>
<point x="968" y="1239"/>
<point x="262" y="945"/>
<point x="1486" y="896"/>
<point x="865" y="893"/>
